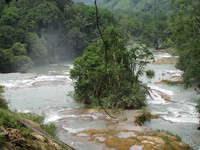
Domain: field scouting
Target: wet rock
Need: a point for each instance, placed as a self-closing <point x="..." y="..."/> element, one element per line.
<point x="180" y="146"/>
<point x="38" y="137"/>
<point x="136" y="147"/>
<point x="165" y="134"/>
<point x="172" y="81"/>
<point x="82" y="134"/>
<point x="165" y="97"/>
<point x="121" y="144"/>
<point x="100" y="139"/>
<point x="169" y="60"/>
<point x="156" y="140"/>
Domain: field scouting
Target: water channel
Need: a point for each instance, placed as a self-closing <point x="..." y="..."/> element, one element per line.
<point x="46" y="90"/>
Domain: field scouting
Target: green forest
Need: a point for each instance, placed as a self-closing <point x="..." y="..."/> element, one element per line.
<point x="110" y="43"/>
<point x="47" y="31"/>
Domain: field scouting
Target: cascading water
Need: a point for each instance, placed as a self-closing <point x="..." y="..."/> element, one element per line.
<point x="46" y="89"/>
<point x="177" y="113"/>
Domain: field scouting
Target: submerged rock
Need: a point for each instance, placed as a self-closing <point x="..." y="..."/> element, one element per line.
<point x="170" y="60"/>
<point x="138" y="140"/>
<point x="134" y="138"/>
<point x="172" y="81"/>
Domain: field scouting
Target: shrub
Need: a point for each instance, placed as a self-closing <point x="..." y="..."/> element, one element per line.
<point x="34" y="117"/>
<point x="2" y="141"/>
<point x="51" y="128"/>
<point x="8" y="119"/>
<point x="145" y="116"/>
<point x="150" y="73"/>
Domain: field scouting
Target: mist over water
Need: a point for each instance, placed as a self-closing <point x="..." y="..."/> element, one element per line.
<point x="60" y="47"/>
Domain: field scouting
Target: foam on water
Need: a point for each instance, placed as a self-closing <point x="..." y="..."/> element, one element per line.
<point x="72" y="130"/>
<point x="163" y="91"/>
<point x="174" y="72"/>
<point x="52" y="118"/>
<point x="24" y="111"/>
<point x="186" y="119"/>
<point x="163" y="55"/>
<point x="24" y="82"/>
<point x="155" y="98"/>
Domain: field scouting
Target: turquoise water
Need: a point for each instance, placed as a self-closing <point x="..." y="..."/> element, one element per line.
<point x="46" y="90"/>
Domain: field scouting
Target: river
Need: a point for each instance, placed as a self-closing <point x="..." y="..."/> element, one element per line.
<point x="47" y="89"/>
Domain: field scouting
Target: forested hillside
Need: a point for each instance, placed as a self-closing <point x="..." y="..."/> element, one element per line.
<point x="144" y="21"/>
<point x="163" y="24"/>
<point x="41" y="31"/>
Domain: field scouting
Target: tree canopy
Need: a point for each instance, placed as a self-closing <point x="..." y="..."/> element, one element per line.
<point x="49" y="31"/>
<point x="115" y="80"/>
<point x="186" y="36"/>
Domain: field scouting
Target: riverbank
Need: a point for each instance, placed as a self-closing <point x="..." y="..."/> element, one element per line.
<point x="124" y="133"/>
<point x="18" y="132"/>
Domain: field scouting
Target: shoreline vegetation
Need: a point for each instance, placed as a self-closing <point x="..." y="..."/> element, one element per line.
<point x="22" y="131"/>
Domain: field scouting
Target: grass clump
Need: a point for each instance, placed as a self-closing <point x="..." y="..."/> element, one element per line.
<point x="51" y="128"/>
<point x="144" y="116"/>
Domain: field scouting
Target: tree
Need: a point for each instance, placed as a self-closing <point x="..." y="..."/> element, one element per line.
<point x="185" y="25"/>
<point x="17" y="58"/>
<point x="10" y="15"/>
<point x="115" y="79"/>
<point x="51" y="30"/>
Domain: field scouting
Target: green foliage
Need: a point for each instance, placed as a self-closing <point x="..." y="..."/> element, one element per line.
<point x="145" y="21"/>
<point x="10" y="119"/>
<point x="51" y="128"/>
<point x="16" y="58"/>
<point x="2" y="141"/>
<point x="34" y="117"/>
<point x="3" y="102"/>
<point x="10" y="16"/>
<point x="117" y="85"/>
<point x="186" y="37"/>
<point x="45" y="31"/>
<point x="41" y="16"/>
<point x="18" y="49"/>
<point x="144" y="116"/>
<point x="150" y="73"/>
